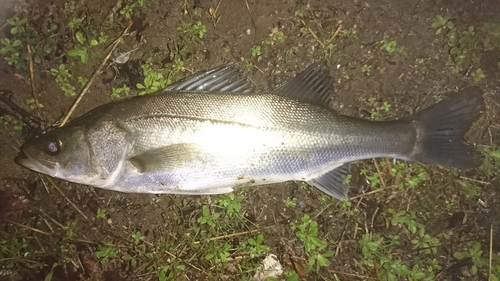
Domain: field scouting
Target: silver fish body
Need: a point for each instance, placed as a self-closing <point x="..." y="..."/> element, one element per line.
<point x="212" y="132"/>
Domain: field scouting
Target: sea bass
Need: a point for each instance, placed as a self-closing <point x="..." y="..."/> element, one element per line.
<point x="213" y="131"/>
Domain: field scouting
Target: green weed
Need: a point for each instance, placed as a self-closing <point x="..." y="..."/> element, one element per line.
<point x="40" y="42"/>
<point x="129" y="10"/>
<point x="291" y="53"/>
<point x="63" y="77"/>
<point x="153" y="80"/>
<point x="466" y="45"/>
<point x="101" y="213"/>
<point x="70" y="231"/>
<point x="478" y="75"/>
<point x="366" y="68"/>
<point x="379" y="109"/>
<point x="491" y="162"/>
<point x="193" y="30"/>
<point x="84" y="45"/>
<point x="479" y="260"/>
<point x="32" y="104"/>
<point x="402" y="219"/>
<point x="289" y="203"/>
<point x="307" y="232"/>
<point x="349" y="31"/>
<point x="116" y="92"/>
<point x="408" y="175"/>
<point x="377" y="252"/>
<point x="255" y="51"/>
<point x="372" y="177"/>
<point x="442" y="24"/>
<point x="106" y="253"/>
<point x="388" y="46"/>
<point x="16" y="253"/>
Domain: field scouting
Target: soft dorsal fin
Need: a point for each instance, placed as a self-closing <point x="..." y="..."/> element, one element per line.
<point x="314" y="85"/>
<point x="332" y="183"/>
<point x="223" y="79"/>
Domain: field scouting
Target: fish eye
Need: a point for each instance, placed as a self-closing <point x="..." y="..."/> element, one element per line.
<point x="53" y="147"/>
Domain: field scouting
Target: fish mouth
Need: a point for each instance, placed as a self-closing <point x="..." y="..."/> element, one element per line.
<point x="24" y="160"/>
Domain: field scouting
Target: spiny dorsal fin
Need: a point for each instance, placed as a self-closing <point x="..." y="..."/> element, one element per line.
<point x="314" y="85"/>
<point x="226" y="79"/>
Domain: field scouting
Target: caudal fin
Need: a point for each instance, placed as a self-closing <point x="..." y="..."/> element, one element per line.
<point x="441" y="128"/>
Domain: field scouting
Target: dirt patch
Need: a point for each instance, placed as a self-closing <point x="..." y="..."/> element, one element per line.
<point x="380" y="54"/>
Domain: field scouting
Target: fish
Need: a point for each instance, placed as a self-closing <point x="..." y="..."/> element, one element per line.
<point x="214" y="131"/>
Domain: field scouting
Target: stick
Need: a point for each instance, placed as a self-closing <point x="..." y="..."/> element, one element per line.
<point x="32" y="82"/>
<point x="312" y="33"/>
<point x="368" y="193"/>
<point x="349" y="274"/>
<point x="30" y="228"/>
<point x="379" y="173"/>
<point x="251" y="18"/>
<point x="68" y="200"/>
<point x="335" y="34"/>
<point x="229" y="235"/>
<point x="491" y="251"/>
<point x="94" y="75"/>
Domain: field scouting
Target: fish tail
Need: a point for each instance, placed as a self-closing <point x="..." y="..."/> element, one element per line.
<point x="441" y="129"/>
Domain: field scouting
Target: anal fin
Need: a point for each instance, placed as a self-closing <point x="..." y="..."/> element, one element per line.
<point x="332" y="183"/>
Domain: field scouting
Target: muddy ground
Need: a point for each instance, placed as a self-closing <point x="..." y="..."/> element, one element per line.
<point x="56" y="221"/>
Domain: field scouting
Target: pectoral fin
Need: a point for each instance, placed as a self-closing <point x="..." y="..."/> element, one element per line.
<point x="332" y="183"/>
<point x="165" y="158"/>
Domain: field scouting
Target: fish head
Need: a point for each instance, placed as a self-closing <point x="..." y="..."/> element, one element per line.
<point x="63" y="153"/>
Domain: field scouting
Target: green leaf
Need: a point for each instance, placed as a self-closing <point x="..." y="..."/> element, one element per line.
<point x="73" y="53"/>
<point x="16" y="43"/>
<point x="51" y="273"/>
<point x="47" y="48"/>
<point x="322" y="261"/>
<point x="459" y="255"/>
<point x="79" y="37"/>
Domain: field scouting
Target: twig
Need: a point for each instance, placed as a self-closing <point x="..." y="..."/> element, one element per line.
<point x="337" y="249"/>
<point x="30" y="228"/>
<point x="469" y="179"/>
<point x="491" y="251"/>
<point x="94" y="75"/>
<point x="379" y="172"/>
<point x="312" y="33"/>
<point x="32" y="83"/>
<point x="68" y="200"/>
<point x="349" y="274"/>
<point x="52" y="219"/>
<point x="44" y="183"/>
<point x="229" y="235"/>
<point x="251" y="18"/>
<point x="335" y="34"/>
<point x="373" y="218"/>
<point x="369" y="193"/>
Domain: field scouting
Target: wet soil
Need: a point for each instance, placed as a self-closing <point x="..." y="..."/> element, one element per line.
<point x="410" y="78"/>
